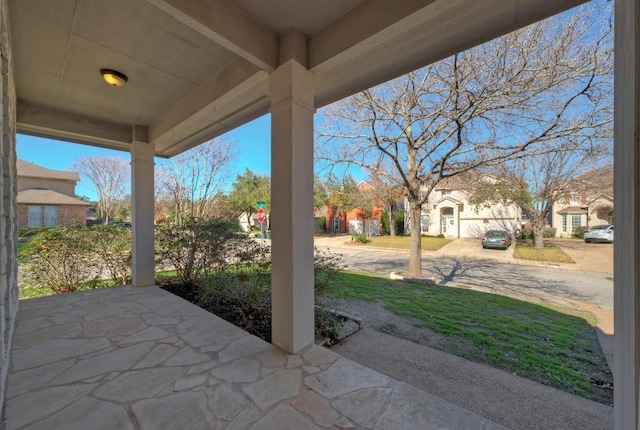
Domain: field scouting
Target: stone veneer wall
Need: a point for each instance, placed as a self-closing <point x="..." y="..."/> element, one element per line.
<point x="67" y="215"/>
<point x="8" y="206"/>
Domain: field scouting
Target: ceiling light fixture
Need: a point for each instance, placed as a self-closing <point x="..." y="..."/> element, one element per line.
<point x="113" y="77"/>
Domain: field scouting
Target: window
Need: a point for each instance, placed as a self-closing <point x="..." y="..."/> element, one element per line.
<point x="447" y="211"/>
<point x="50" y="216"/>
<point x="576" y="221"/>
<point x="564" y="223"/>
<point x="446" y="192"/>
<point x="34" y="216"/>
<point x="336" y="224"/>
<point x="424" y="223"/>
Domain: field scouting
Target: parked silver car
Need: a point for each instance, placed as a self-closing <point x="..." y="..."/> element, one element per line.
<point x="599" y="233"/>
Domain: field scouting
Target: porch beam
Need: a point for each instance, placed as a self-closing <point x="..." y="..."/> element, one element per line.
<point x="214" y="103"/>
<point x="142" y="199"/>
<point x="227" y="25"/>
<point x="627" y="216"/>
<point x="292" y="92"/>
<point x="49" y="123"/>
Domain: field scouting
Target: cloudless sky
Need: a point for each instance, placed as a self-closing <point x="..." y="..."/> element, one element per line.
<point x="252" y="142"/>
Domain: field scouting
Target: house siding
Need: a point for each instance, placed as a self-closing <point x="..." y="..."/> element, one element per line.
<point x="61" y="186"/>
<point x="461" y="218"/>
<point x="67" y="215"/>
<point x="591" y="198"/>
<point x="8" y="206"/>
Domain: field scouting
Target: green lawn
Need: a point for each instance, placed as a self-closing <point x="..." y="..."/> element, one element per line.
<point x="550" y="253"/>
<point x="551" y="345"/>
<point x="403" y="242"/>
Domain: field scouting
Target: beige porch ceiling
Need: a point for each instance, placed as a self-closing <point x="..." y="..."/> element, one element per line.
<point x="200" y="68"/>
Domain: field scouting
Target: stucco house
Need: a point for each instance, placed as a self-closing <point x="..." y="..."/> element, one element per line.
<point x="448" y="211"/>
<point x="589" y="203"/>
<point x="46" y="197"/>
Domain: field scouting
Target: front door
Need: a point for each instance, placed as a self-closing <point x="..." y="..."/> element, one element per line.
<point x="447" y="222"/>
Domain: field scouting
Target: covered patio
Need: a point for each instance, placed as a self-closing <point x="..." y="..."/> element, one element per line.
<point x="195" y="70"/>
<point x="127" y="358"/>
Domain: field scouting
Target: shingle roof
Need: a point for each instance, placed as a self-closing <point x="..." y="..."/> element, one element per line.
<point x="572" y="210"/>
<point x="30" y="170"/>
<point x="47" y="197"/>
<point x="462" y="181"/>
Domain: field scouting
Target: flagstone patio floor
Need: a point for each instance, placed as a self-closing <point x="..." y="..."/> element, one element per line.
<point x="142" y="358"/>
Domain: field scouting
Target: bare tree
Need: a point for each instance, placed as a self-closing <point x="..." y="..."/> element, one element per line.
<point x="386" y="193"/>
<point x="110" y="176"/>
<point x="536" y="183"/>
<point x="547" y="83"/>
<point x="190" y="180"/>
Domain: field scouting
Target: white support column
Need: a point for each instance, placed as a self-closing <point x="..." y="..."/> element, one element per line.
<point x="627" y="216"/>
<point x="142" y="200"/>
<point x="292" y="95"/>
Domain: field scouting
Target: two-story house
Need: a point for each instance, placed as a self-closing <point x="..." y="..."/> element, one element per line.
<point x="588" y="203"/>
<point x="46" y="197"/>
<point x="448" y="211"/>
<point x="356" y="220"/>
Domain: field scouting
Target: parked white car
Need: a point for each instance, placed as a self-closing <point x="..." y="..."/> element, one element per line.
<point x="599" y="233"/>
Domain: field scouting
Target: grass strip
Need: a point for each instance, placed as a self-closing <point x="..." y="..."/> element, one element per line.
<point x="552" y="345"/>
<point x="403" y="242"/>
<point x="549" y="253"/>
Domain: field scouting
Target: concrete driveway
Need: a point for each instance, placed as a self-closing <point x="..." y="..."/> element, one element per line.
<point x="589" y="257"/>
<point x="470" y="247"/>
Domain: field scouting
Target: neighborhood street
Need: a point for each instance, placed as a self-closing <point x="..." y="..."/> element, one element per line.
<point x="537" y="282"/>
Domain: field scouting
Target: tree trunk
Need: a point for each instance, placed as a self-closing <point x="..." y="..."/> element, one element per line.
<point x="538" y="234"/>
<point x="415" y="250"/>
<point x="392" y="221"/>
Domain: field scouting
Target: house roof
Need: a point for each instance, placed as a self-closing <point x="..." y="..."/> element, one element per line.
<point x="572" y="210"/>
<point x="598" y="181"/>
<point x="30" y="170"/>
<point x="47" y="197"/>
<point x="462" y="181"/>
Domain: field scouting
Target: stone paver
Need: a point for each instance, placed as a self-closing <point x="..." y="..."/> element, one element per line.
<point x="142" y="358"/>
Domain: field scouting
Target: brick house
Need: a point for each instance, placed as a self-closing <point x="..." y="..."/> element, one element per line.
<point x="47" y="197"/>
<point x="355" y="220"/>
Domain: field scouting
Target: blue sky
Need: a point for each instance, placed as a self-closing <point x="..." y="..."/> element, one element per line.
<point x="252" y="144"/>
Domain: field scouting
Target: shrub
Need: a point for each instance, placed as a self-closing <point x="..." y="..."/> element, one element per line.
<point x="242" y="294"/>
<point x="440" y="236"/>
<point x="326" y="270"/>
<point x="527" y="235"/>
<point x="60" y="258"/>
<point x="549" y="232"/>
<point x="112" y="244"/>
<point x="361" y="237"/>
<point x="196" y="247"/>
<point x="322" y="223"/>
<point x="578" y="232"/>
<point x="398" y="217"/>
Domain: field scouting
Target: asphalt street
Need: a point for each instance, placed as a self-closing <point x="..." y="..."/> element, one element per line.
<point x="490" y="275"/>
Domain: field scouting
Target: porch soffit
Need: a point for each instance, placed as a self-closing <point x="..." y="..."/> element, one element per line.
<point x="198" y="69"/>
